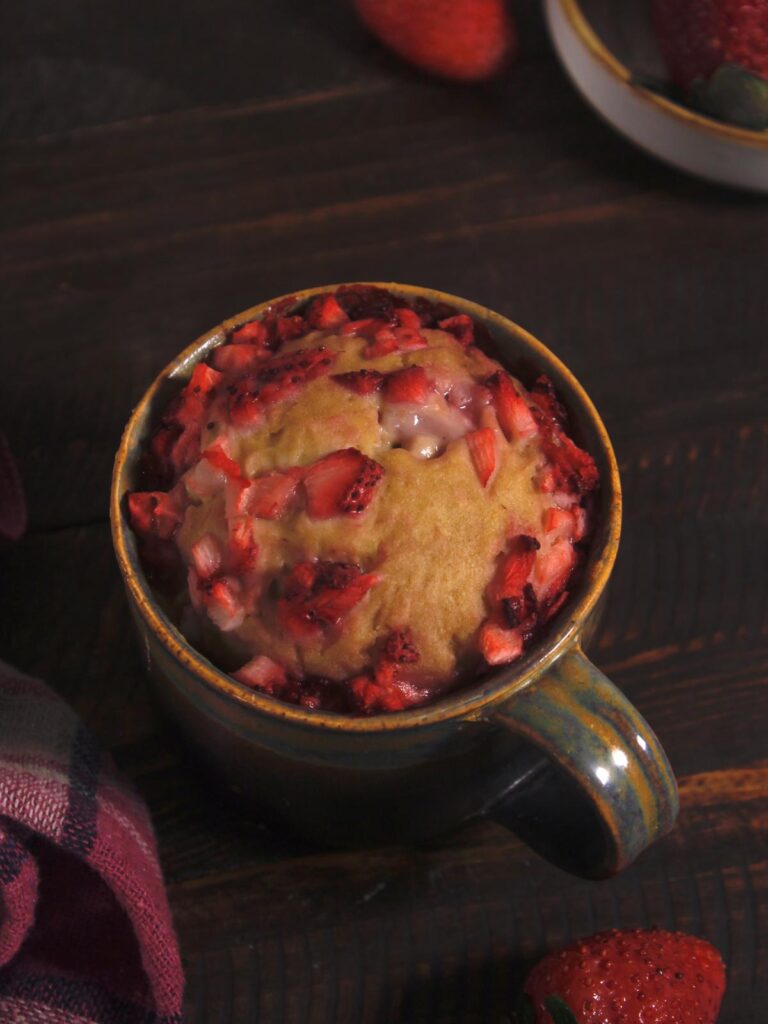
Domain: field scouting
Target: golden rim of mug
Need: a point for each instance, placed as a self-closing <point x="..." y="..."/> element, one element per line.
<point x="469" y="702"/>
<point x="583" y="29"/>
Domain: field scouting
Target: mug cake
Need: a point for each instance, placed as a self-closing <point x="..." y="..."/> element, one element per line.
<point x="353" y="507"/>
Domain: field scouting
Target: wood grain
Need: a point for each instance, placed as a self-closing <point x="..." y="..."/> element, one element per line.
<point x="122" y="241"/>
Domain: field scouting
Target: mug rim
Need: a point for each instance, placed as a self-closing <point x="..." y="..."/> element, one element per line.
<point x="469" y="702"/>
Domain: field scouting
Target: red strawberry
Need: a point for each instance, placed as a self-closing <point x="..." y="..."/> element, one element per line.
<point x="262" y="674"/>
<point x="220" y="597"/>
<point x="369" y="695"/>
<point x="640" y="976"/>
<point x="363" y="382"/>
<point x="515" y="568"/>
<point x="206" y="556"/>
<point x="320" y="594"/>
<point x="245" y="406"/>
<point x="361" y="301"/>
<point x="366" y="328"/>
<point x="401" y="648"/>
<point x="343" y="482"/>
<point x="498" y="645"/>
<point x="552" y="570"/>
<point x="253" y="333"/>
<point x="482" y="448"/>
<point x="384" y="342"/>
<point x="467" y="40"/>
<point x="325" y="313"/>
<point x="243" y="549"/>
<point x="154" y="513"/>
<point x="408" y="385"/>
<point x="268" y="496"/>
<point x="219" y="458"/>
<point x="238" y="358"/>
<point x="461" y="327"/>
<point x="203" y="380"/>
<point x="575" y="469"/>
<point x="512" y="412"/>
<point x="288" y="328"/>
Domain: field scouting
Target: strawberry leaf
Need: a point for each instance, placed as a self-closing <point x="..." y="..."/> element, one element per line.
<point x="733" y="95"/>
<point x="558" y="1011"/>
<point x="524" y="1010"/>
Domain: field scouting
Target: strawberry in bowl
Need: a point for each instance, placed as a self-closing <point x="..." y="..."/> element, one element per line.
<point x="351" y="506"/>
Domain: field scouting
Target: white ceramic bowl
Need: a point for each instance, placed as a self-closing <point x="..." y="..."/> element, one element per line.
<point x="603" y="44"/>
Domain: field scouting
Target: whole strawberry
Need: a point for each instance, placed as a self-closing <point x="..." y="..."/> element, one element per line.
<point x="644" y="976"/>
<point x="466" y="40"/>
<point x="716" y="51"/>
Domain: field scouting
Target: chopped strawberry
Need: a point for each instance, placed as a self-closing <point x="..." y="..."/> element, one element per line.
<point x="575" y="469"/>
<point x="546" y="401"/>
<point x="570" y="523"/>
<point x="521" y="611"/>
<point x="219" y="458"/>
<point x="406" y="317"/>
<point x="384" y="342"/>
<point x="401" y="648"/>
<point x="154" y="513"/>
<point x="512" y="412"/>
<point x="288" y="328"/>
<point x="220" y="596"/>
<point x="203" y="380"/>
<point x="370" y="695"/>
<point x="408" y="339"/>
<point x="499" y="646"/>
<point x="553" y="606"/>
<point x="244" y="551"/>
<point x="253" y="333"/>
<point x="262" y="674"/>
<point x="408" y="385"/>
<point x="552" y="570"/>
<point x="363" y="382"/>
<point x="245" y="408"/>
<point x="482" y="449"/>
<point x="325" y="313"/>
<point x="342" y="482"/>
<point x="366" y="328"/>
<point x="462" y="327"/>
<point x="320" y="594"/>
<point x="515" y="568"/>
<point x="268" y="496"/>
<point x="238" y="359"/>
<point x="206" y="556"/>
<point x="297" y="368"/>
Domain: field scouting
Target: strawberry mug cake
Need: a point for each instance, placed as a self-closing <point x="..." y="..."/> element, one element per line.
<point x="353" y="507"/>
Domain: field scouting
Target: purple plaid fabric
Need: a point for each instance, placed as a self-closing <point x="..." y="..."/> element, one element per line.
<point x="85" y="931"/>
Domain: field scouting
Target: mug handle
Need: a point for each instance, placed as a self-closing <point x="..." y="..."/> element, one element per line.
<point x="596" y="787"/>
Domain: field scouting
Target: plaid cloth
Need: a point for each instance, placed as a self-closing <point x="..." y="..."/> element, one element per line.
<point x="85" y="930"/>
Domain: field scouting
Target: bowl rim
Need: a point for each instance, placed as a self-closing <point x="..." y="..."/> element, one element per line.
<point x="731" y="133"/>
<point x="467" y="703"/>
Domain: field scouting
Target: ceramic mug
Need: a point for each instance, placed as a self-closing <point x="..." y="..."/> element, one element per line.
<point x="548" y="746"/>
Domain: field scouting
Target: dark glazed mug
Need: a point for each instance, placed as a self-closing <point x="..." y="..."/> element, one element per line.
<point x="547" y="746"/>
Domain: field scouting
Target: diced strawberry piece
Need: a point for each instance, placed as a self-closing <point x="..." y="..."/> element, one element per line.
<point x="238" y="358"/>
<point x="547" y="479"/>
<point x="515" y="568"/>
<point x="521" y="610"/>
<point x="370" y="695"/>
<point x="579" y="523"/>
<point x="320" y="594"/>
<point x="268" y="496"/>
<point x="512" y="412"/>
<point x="219" y="458"/>
<point x="288" y="328"/>
<point x="203" y="380"/>
<point x="545" y="399"/>
<point x="342" y="482"/>
<point x="554" y="606"/>
<point x="206" y="556"/>
<point x="366" y="328"/>
<point x="245" y="408"/>
<point x="408" y="385"/>
<point x="253" y="333"/>
<point x="384" y="342"/>
<point x="244" y="551"/>
<point x="220" y="597"/>
<point x="552" y="570"/>
<point x="365" y="300"/>
<point x="154" y="513"/>
<point x="406" y="317"/>
<point x="576" y="468"/>
<point x="500" y="646"/>
<point x="262" y="674"/>
<point x="462" y="327"/>
<point x="325" y="313"/>
<point x="363" y="382"/>
<point x="482" y="449"/>
<point x="401" y="648"/>
<point x="409" y="340"/>
<point x="559" y="521"/>
<point x="185" y="449"/>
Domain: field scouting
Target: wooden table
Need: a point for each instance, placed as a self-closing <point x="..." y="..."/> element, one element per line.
<point x="167" y="167"/>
